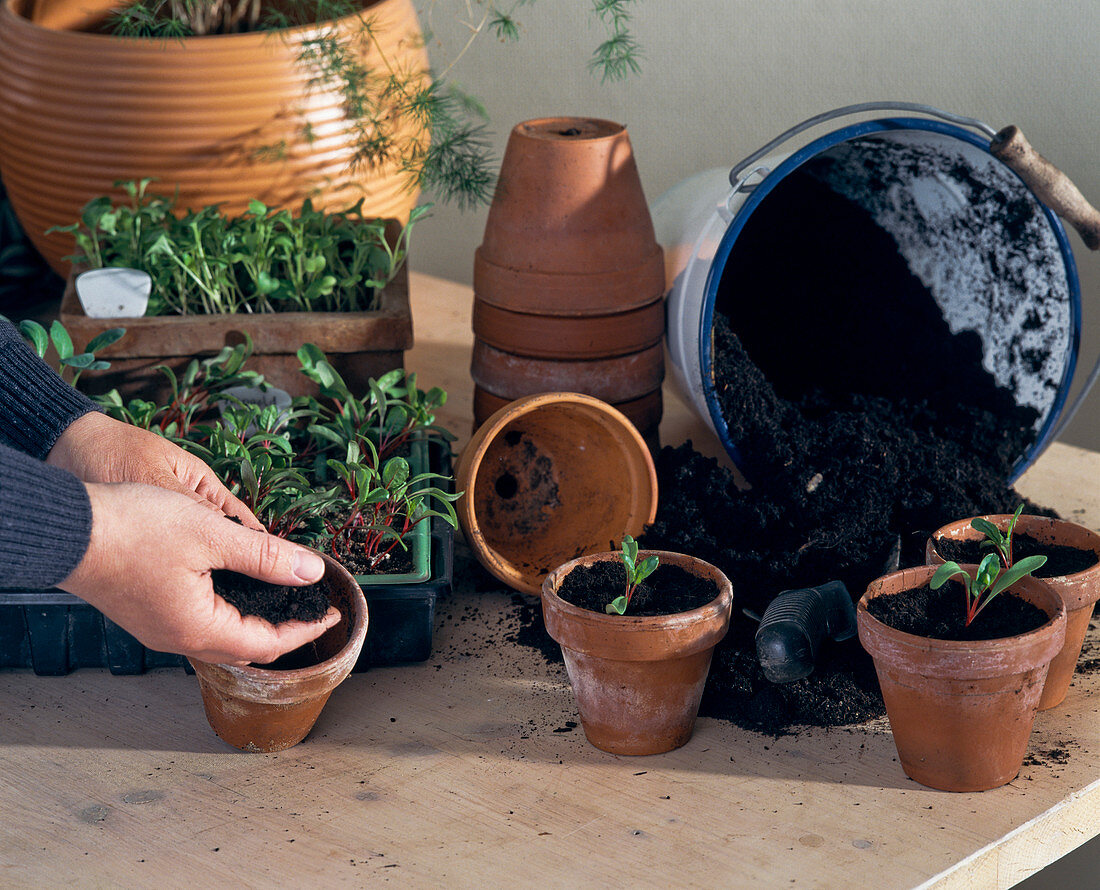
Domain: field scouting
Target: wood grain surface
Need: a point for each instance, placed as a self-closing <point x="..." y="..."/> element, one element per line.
<point x="469" y="770"/>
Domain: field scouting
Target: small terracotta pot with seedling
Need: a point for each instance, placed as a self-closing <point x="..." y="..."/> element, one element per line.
<point x="961" y="667"/>
<point x="1072" y="568"/>
<point x="637" y="631"/>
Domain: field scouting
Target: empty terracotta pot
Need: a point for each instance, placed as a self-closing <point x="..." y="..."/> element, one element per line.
<point x="961" y="712"/>
<point x="263" y="709"/>
<point x="548" y="478"/>
<point x="638" y="680"/>
<point x="83" y="110"/>
<point x="569" y="230"/>
<point x="618" y="379"/>
<point x="644" y="413"/>
<point x="1079" y="591"/>
<point x="569" y="336"/>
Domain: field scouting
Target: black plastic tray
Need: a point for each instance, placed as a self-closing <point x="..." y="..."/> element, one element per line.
<point x="55" y="632"/>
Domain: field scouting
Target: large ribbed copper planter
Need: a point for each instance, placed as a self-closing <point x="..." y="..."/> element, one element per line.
<point x="225" y="118"/>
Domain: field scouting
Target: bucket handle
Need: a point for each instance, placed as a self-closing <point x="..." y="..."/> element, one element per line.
<point x="1009" y="145"/>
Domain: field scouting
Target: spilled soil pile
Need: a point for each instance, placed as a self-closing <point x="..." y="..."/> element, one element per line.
<point x="862" y="424"/>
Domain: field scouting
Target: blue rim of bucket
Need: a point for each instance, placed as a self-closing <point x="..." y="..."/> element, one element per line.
<point x="791" y="163"/>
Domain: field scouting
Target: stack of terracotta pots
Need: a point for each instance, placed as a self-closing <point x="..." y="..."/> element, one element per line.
<point x="569" y="280"/>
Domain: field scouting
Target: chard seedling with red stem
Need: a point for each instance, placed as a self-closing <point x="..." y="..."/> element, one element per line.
<point x="988" y="581"/>
<point x="1001" y="542"/>
<point x="636" y="573"/>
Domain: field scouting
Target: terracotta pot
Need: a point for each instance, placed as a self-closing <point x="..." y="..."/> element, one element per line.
<point x="568" y="336"/>
<point x="644" y="413"/>
<point x="84" y="110"/>
<point x="961" y="712"/>
<point x="1079" y="592"/>
<point x="259" y="709"/>
<point x="548" y="478"/>
<point x="360" y="345"/>
<point x="618" y="379"/>
<point x="638" y="680"/>
<point x="569" y="230"/>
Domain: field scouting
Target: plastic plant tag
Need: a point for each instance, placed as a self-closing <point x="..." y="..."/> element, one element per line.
<point x="114" y="292"/>
<point x="254" y="395"/>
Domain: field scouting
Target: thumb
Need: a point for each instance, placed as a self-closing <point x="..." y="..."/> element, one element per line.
<point x="267" y="557"/>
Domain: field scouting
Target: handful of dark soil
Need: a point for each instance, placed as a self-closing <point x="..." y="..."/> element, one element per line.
<point x="275" y="603"/>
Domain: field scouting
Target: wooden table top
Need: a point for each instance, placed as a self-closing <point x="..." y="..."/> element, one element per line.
<point x="468" y="770"/>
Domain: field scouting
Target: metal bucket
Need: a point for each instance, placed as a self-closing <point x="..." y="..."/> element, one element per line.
<point x="926" y="181"/>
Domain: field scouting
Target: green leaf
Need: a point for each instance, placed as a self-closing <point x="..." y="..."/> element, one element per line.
<point x="62" y="342"/>
<point x="629" y="555"/>
<point x="645" y="568"/>
<point x="83" y="360"/>
<point x="988" y="529"/>
<point x="945" y="573"/>
<point x="988" y="570"/>
<point x="617" y="606"/>
<point x="107" y="338"/>
<point x="395" y="472"/>
<point x="1019" y="570"/>
<point x="36" y="334"/>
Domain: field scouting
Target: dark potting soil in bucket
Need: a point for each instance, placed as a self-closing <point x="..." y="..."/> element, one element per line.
<point x="860" y="418"/>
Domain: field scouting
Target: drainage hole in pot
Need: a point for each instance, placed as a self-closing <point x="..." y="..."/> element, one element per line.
<point x="507" y="486"/>
<point x="513" y="437"/>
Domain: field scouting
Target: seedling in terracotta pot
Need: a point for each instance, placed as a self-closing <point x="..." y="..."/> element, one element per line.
<point x="995" y="538"/>
<point x="987" y="581"/>
<point x="636" y="573"/>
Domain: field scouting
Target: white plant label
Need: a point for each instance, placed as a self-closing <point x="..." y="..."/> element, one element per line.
<point x="114" y="292"/>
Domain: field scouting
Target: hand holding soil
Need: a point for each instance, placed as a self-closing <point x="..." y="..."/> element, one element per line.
<point x="148" y="567"/>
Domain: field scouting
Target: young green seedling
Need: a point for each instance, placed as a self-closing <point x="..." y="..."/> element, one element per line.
<point x="636" y="573"/>
<point x="987" y="582"/>
<point x="68" y="358"/>
<point x="1002" y="543"/>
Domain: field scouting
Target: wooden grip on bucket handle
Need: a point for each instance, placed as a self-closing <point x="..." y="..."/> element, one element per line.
<point x="1049" y="184"/>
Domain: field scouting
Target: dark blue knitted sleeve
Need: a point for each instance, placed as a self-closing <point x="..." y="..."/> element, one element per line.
<point x="45" y="515"/>
<point x="45" y="521"/>
<point x="35" y="403"/>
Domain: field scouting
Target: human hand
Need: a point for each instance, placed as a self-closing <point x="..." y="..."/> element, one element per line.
<point x="148" y="564"/>
<point x="97" y="448"/>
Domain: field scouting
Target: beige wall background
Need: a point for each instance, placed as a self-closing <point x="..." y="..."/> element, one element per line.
<point x="722" y="77"/>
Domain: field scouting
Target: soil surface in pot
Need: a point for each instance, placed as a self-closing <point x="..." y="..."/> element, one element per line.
<point x="940" y="614"/>
<point x="670" y="589"/>
<point x="397" y="562"/>
<point x="1061" y="560"/>
<point x="275" y="603"/>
